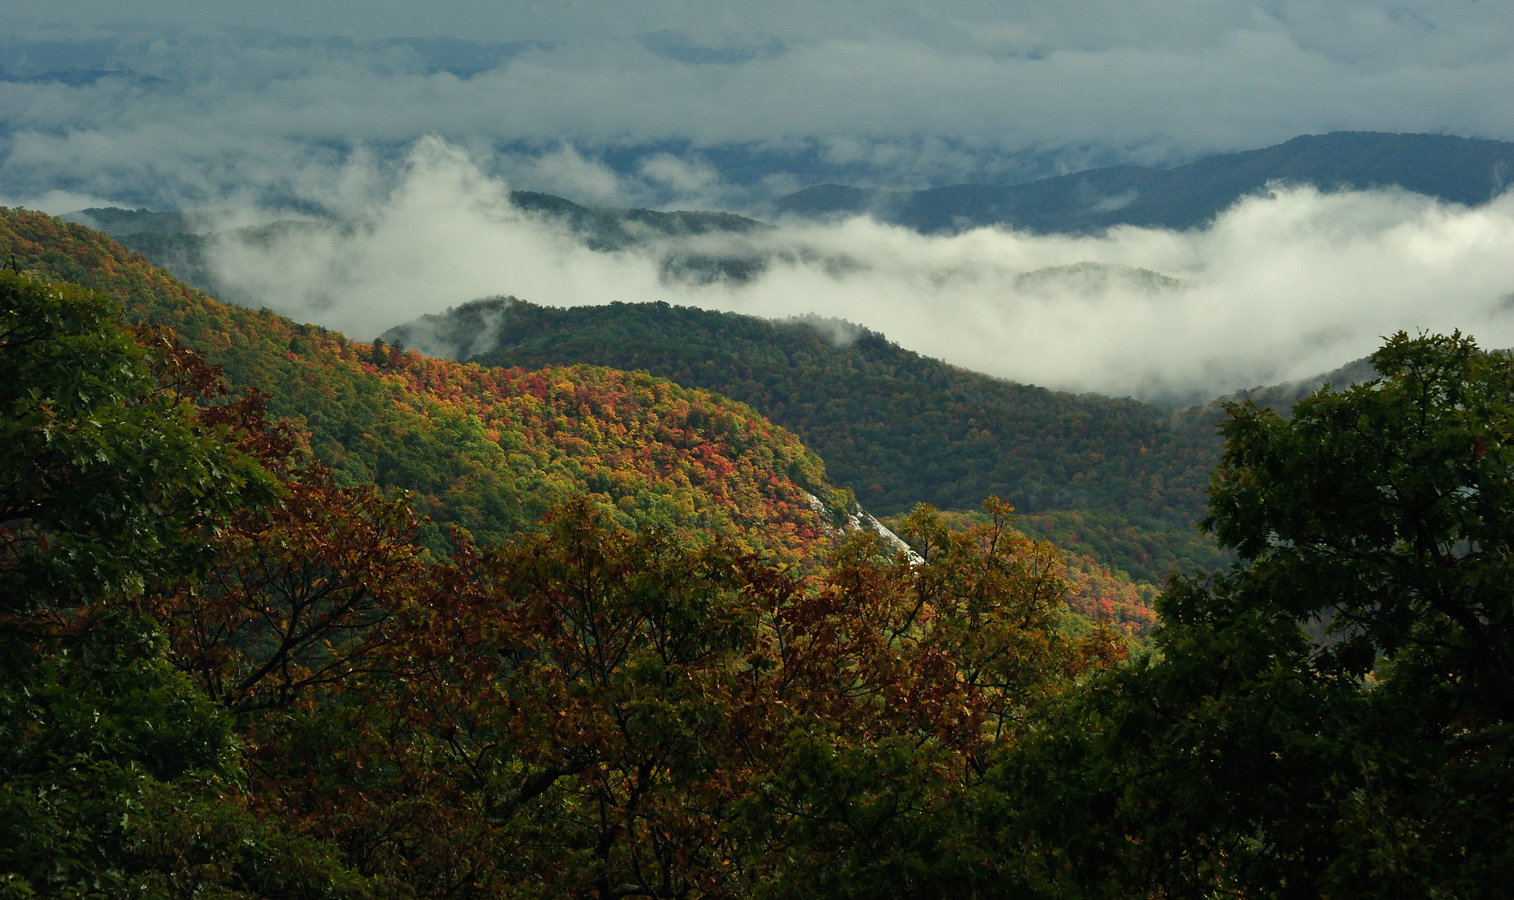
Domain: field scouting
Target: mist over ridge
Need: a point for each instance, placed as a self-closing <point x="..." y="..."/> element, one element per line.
<point x="785" y="451"/>
<point x="395" y="141"/>
<point x="1281" y="286"/>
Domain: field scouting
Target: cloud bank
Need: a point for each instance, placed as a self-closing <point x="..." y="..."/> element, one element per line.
<point x="772" y="97"/>
<point x="1280" y="287"/>
<point x="671" y="104"/>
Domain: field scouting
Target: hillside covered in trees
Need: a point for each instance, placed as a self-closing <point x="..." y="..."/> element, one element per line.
<point x="490" y="450"/>
<point x="229" y="671"/>
<point x="1117" y="478"/>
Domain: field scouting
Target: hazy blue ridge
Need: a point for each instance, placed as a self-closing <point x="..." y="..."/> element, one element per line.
<point x="1459" y="170"/>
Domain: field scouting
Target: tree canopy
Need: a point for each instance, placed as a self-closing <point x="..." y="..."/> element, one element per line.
<point x="225" y="670"/>
<point x="1331" y="717"/>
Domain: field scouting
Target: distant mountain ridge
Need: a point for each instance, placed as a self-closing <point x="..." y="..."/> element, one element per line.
<point x="1282" y="397"/>
<point x="1459" y="170"/>
<point x="179" y="241"/>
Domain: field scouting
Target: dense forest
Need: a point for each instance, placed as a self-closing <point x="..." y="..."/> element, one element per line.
<point x="492" y="450"/>
<point x="228" y="671"/>
<point x="487" y="449"/>
<point x="1117" y="479"/>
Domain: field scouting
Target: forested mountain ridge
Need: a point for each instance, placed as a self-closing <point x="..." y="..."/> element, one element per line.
<point x="1279" y="397"/>
<point x="223" y="672"/>
<point x="612" y="228"/>
<point x="491" y="450"/>
<point x="1110" y="477"/>
<point x="922" y="419"/>
<point x="1458" y="170"/>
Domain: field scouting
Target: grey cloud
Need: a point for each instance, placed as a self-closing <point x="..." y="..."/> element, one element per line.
<point x="888" y="94"/>
<point x="404" y="126"/>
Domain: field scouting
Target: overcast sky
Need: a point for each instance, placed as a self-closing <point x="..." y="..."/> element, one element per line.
<point x="719" y="102"/>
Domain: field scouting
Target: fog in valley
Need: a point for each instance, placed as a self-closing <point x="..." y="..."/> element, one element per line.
<point x="1282" y="286"/>
<point x="395" y="136"/>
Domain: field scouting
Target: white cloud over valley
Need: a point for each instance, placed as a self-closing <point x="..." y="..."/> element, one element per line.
<point x="407" y="124"/>
<point x="1280" y="287"/>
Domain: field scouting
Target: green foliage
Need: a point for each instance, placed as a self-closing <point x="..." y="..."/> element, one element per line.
<point x="1147" y="549"/>
<point x="104" y="474"/>
<point x="863" y="820"/>
<point x="88" y="728"/>
<point x="1398" y="529"/>
<point x="118" y="778"/>
<point x="896" y="428"/>
<point x="1253" y="758"/>
<point x="114" y="769"/>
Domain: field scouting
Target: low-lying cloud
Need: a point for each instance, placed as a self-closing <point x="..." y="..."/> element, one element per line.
<point x="1282" y="286"/>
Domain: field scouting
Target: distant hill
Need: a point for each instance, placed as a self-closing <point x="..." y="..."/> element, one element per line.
<point x="118" y="222"/>
<point x="1460" y="170"/>
<point x="1280" y="397"/>
<point x="895" y="427"/>
<point x="606" y="228"/>
<point x="609" y="229"/>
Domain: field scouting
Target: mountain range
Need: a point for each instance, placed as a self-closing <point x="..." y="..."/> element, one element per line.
<point x="289" y="614"/>
<point x="1453" y="169"/>
<point x="1119" y="481"/>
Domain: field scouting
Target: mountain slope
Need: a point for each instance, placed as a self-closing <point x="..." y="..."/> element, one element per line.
<point x="485" y="448"/>
<point x="895" y="427"/>
<point x="1459" y="170"/>
<point x="492" y="449"/>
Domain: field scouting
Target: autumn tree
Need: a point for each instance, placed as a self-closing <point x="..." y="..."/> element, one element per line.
<point x="905" y="674"/>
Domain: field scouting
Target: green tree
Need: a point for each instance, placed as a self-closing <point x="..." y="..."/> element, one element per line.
<point x="117" y="777"/>
<point x="1332" y="716"/>
<point x="107" y="482"/>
